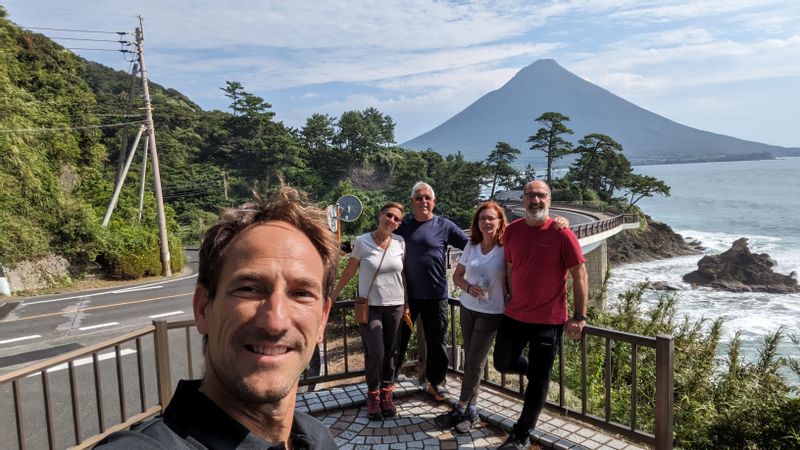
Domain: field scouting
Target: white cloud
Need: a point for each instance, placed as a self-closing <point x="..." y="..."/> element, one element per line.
<point x="423" y="60"/>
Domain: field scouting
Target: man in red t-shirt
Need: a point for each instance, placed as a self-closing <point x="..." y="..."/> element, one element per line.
<point x="538" y="257"/>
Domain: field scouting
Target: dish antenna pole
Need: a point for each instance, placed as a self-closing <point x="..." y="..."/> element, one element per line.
<point x="348" y="209"/>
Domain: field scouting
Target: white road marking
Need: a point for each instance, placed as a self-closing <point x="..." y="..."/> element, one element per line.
<point x="61" y="299"/>
<point x="102" y="325"/>
<point x="23" y="338"/>
<point x="135" y="289"/>
<point x="158" y="316"/>
<point x="84" y="361"/>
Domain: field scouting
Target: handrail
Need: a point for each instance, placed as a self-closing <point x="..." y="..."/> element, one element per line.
<point x="74" y="354"/>
<point x="592" y="228"/>
<point x="335" y="351"/>
<point x="662" y="435"/>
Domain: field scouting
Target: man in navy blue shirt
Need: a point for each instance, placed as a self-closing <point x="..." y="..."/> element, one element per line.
<point x="427" y="237"/>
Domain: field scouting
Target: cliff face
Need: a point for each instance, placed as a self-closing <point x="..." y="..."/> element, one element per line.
<point x="739" y="270"/>
<point x="658" y="241"/>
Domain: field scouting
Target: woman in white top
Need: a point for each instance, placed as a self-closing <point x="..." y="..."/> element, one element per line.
<point x="387" y="302"/>
<point x="481" y="275"/>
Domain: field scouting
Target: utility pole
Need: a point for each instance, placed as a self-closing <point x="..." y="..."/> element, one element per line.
<point x="124" y="142"/>
<point x="225" y="184"/>
<point x="121" y="178"/>
<point x="141" y="181"/>
<point x="151" y="139"/>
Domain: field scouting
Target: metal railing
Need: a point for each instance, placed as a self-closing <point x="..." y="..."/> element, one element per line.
<point x="45" y="370"/>
<point x="340" y="358"/>
<point x="661" y="436"/>
<point x="590" y="229"/>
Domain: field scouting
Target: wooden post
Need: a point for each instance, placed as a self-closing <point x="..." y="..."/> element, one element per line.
<point x="161" y="343"/>
<point x="665" y="355"/>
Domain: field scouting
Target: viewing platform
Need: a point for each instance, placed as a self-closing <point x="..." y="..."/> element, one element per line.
<point x="75" y="399"/>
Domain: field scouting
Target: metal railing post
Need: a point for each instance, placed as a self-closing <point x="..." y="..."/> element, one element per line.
<point x="665" y="354"/>
<point x="161" y="343"/>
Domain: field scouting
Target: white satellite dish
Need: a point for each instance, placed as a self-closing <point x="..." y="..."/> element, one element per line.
<point x="349" y="208"/>
<point x="330" y="214"/>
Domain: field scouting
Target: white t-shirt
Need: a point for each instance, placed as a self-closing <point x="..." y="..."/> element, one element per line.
<point x="388" y="288"/>
<point x="489" y="269"/>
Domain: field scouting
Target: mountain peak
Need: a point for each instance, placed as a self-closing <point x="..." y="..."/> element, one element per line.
<point x="509" y="114"/>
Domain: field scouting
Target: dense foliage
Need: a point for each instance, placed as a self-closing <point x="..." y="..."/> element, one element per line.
<point x="720" y="402"/>
<point x="55" y="180"/>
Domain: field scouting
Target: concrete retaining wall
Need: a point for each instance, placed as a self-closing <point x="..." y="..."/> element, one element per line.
<point x="36" y="274"/>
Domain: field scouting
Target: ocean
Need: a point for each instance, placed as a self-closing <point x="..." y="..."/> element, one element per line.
<point x="717" y="203"/>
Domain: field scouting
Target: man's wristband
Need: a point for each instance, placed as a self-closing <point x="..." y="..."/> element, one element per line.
<point x="469" y="286"/>
<point x="578" y="317"/>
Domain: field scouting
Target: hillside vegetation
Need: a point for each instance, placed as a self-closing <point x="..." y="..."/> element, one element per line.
<point x="55" y="177"/>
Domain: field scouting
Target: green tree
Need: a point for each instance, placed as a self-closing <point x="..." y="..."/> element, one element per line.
<point x="549" y="139"/>
<point x="499" y="162"/>
<point x="363" y="133"/>
<point x="318" y="133"/>
<point x="595" y="150"/>
<point x="640" y="186"/>
<point x="518" y="182"/>
<point x="234" y="91"/>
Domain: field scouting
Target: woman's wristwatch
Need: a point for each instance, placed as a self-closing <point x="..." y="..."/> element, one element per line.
<point x="578" y="317"/>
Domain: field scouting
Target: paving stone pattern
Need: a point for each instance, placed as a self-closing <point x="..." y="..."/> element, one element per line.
<point x="343" y="410"/>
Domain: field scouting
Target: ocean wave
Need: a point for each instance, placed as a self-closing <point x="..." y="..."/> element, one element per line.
<point x="755" y="314"/>
<point x="784" y="250"/>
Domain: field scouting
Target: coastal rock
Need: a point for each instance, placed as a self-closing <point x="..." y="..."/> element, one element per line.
<point x="739" y="270"/>
<point x="663" y="286"/>
<point x="657" y="241"/>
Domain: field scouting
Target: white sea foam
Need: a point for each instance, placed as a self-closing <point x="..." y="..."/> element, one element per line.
<point x="755" y="314"/>
<point x="717" y="203"/>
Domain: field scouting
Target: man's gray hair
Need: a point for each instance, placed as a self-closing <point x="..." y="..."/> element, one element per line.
<point x="422" y="185"/>
<point x="529" y="183"/>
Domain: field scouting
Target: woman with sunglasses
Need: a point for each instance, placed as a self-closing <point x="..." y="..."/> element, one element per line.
<point x="384" y="252"/>
<point x="481" y="276"/>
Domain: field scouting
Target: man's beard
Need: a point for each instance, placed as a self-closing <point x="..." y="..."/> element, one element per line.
<point x="538" y="214"/>
<point x="246" y="394"/>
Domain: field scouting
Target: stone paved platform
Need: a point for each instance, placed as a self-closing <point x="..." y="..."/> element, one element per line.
<point x="343" y="410"/>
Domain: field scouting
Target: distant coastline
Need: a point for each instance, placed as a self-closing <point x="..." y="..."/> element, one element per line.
<point x="765" y="156"/>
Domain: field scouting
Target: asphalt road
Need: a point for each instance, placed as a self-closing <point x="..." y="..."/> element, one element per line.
<point x="34" y="328"/>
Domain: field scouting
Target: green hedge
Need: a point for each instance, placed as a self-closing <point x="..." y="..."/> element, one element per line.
<point x="131" y="251"/>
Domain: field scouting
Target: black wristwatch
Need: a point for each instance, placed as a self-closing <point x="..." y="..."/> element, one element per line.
<point x="579" y="317"/>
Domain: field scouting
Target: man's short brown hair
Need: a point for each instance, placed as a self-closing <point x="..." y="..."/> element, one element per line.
<point x="286" y="205"/>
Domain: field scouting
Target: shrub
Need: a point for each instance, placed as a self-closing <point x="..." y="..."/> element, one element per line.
<point x="132" y="251"/>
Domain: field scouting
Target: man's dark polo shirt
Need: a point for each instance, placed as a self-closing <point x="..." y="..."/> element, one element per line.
<point x="426" y="249"/>
<point x="192" y="421"/>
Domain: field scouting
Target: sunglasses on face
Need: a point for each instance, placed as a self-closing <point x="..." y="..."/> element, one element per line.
<point x="539" y="195"/>
<point x="392" y="217"/>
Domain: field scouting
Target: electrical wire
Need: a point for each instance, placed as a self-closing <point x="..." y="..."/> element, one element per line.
<point x="88" y="39"/>
<point x="100" y="49"/>
<point x="121" y="33"/>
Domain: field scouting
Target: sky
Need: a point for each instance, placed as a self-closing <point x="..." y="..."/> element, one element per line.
<point x="726" y="66"/>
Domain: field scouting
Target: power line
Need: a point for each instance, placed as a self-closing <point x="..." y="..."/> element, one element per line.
<point x="121" y="33"/>
<point x="84" y="127"/>
<point x="88" y="39"/>
<point x="101" y="49"/>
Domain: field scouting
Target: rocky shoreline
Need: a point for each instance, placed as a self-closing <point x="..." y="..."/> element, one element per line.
<point x="656" y="241"/>
<point x="735" y="270"/>
<point x="739" y="270"/>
